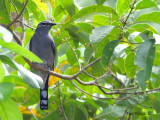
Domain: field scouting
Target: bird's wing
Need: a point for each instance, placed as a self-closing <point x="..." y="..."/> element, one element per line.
<point x="30" y="45"/>
<point x="54" y="52"/>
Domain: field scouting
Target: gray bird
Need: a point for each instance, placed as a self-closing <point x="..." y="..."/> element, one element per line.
<point x="42" y="45"/>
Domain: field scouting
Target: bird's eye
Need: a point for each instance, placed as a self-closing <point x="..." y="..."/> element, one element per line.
<point x="43" y="24"/>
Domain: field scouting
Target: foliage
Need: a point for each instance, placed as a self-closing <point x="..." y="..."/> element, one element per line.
<point x="107" y="63"/>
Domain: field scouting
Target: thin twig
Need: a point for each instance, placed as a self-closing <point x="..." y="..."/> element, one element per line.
<point x="23" y="28"/>
<point x="14" y="6"/>
<point x="140" y="103"/>
<point x="115" y="77"/>
<point x="19" y="14"/>
<point x="70" y="116"/>
<point x="122" y="118"/>
<point x="61" y="105"/>
<point x="32" y="113"/>
<point x="80" y="66"/>
<point x="132" y="7"/>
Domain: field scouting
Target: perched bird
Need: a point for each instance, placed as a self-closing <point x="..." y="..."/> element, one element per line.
<point x="42" y="45"/>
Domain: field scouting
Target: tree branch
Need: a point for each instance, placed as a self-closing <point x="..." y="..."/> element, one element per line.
<point x="14" y="6"/>
<point x="18" y="14"/>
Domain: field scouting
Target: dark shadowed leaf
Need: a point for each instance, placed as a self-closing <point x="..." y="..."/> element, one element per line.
<point x="31" y="96"/>
<point x="144" y="58"/>
<point x="107" y="53"/>
<point x="69" y="6"/>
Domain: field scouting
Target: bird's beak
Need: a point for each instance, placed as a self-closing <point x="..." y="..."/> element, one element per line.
<point x="53" y="24"/>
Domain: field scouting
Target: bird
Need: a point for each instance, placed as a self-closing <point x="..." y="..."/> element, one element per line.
<point x="42" y="45"/>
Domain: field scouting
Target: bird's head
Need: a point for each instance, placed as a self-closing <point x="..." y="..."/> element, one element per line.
<point x="44" y="26"/>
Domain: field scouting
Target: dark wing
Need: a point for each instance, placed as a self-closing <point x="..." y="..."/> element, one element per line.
<point x="30" y="45"/>
<point x="54" y="52"/>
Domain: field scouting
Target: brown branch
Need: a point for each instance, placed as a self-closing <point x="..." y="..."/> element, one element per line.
<point x="87" y="66"/>
<point x="115" y="77"/>
<point x="80" y="66"/>
<point x="18" y="14"/>
<point x="14" y="6"/>
<point x="23" y="29"/>
<point x="132" y="7"/>
<point x="61" y="105"/>
<point x="18" y="40"/>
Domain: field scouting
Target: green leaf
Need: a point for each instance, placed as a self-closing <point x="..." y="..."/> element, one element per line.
<point x="145" y="4"/>
<point x="157" y="56"/>
<point x="100" y="33"/>
<point x="59" y="9"/>
<point x="144" y="11"/>
<point x="111" y="113"/>
<point x="129" y="65"/>
<point x="120" y="62"/>
<point x="84" y="3"/>
<point x="7" y="60"/>
<point x="6" y="90"/>
<point x="78" y="34"/>
<point x="71" y="56"/>
<point x="2" y="72"/>
<point x="19" y="6"/>
<point x="31" y="96"/>
<point x="96" y="69"/>
<point x="69" y="6"/>
<point x="85" y="26"/>
<point x="10" y="111"/>
<point x="30" y="78"/>
<point x="18" y="29"/>
<point x="147" y="17"/>
<point x="4" y="14"/>
<point x="100" y="2"/>
<point x="157" y="106"/>
<point x="91" y="9"/>
<point x="151" y="26"/>
<point x="15" y="79"/>
<point x="107" y="53"/>
<point x="101" y="20"/>
<point x="20" y="50"/>
<point x="37" y="13"/>
<point x="88" y="53"/>
<point x="122" y="6"/>
<point x="143" y="53"/>
<point x="154" y="116"/>
<point x="144" y="58"/>
<point x="79" y="112"/>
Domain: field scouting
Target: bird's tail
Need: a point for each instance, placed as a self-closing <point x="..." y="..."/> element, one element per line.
<point x="44" y="96"/>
